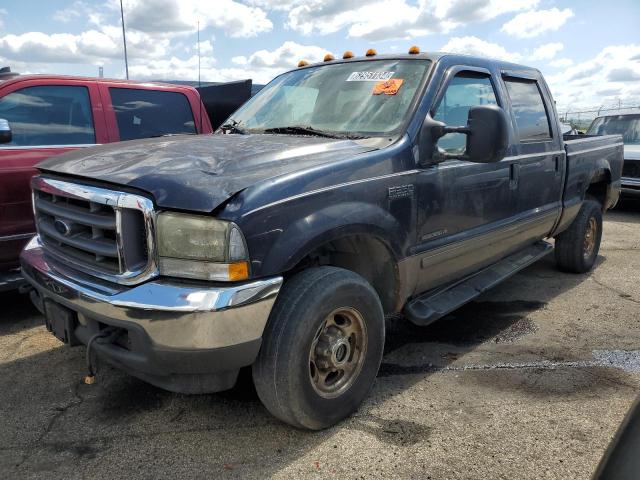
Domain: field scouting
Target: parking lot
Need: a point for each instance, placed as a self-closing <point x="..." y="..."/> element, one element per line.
<point x="530" y="381"/>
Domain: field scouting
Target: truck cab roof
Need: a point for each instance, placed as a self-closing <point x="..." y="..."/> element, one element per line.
<point x="435" y="57"/>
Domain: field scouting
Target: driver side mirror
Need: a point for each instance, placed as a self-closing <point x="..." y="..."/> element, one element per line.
<point x="5" y="131"/>
<point x="487" y="134"/>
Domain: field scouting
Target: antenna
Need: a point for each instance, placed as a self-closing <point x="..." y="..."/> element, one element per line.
<point x="124" y="40"/>
<point x="199" y="83"/>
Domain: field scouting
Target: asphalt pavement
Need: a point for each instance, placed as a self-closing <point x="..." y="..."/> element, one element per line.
<point x="529" y="381"/>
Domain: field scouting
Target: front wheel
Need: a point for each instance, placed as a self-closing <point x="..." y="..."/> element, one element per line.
<point x="321" y="349"/>
<point x="577" y="247"/>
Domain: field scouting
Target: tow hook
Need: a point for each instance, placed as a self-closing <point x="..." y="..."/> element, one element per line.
<point x="104" y="337"/>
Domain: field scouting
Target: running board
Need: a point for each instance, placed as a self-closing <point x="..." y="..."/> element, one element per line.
<point x="431" y="306"/>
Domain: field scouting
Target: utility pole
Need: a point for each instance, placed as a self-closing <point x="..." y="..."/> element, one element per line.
<point x="124" y="40"/>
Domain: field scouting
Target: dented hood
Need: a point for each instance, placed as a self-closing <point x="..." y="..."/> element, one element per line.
<point x="200" y="172"/>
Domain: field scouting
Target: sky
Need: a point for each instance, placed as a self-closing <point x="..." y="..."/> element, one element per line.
<point x="588" y="50"/>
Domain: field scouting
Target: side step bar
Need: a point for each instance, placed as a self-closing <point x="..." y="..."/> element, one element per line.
<point x="431" y="306"/>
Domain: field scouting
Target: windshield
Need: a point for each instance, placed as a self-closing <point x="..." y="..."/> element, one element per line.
<point x="355" y="98"/>
<point x="626" y="125"/>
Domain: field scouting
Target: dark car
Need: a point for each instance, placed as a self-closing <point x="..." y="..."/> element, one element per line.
<point x="627" y="125"/>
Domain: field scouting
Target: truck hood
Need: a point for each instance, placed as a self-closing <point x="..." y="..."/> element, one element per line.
<point x="632" y="152"/>
<point x="200" y="172"/>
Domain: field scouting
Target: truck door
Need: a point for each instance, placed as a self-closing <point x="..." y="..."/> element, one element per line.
<point x="541" y="157"/>
<point x="463" y="207"/>
<point x="45" y="120"/>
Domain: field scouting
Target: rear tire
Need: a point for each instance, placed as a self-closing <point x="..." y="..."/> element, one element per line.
<point x="321" y="349"/>
<point x="578" y="246"/>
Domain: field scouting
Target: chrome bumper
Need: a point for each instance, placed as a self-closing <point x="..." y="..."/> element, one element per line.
<point x="631" y="186"/>
<point x="174" y="314"/>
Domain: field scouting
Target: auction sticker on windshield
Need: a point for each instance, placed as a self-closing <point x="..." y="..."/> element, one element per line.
<point x="389" y="87"/>
<point x="369" y="76"/>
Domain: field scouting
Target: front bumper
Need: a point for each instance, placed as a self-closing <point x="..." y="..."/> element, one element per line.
<point x="183" y="336"/>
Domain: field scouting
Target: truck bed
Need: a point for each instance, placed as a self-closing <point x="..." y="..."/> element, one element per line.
<point x="590" y="158"/>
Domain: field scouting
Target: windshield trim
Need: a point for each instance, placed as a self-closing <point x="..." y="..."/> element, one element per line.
<point x="393" y="135"/>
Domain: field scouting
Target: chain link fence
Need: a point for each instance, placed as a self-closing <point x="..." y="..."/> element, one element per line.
<point x="581" y="119"/>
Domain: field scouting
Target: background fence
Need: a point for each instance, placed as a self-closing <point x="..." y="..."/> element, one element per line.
<point x="582" y="118"/>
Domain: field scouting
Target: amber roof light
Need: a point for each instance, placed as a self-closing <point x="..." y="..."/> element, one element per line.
<point x="328" y="57"/>
<point x="347" y="54"/>
<point x="370" y="53"/>
<point x="302" y="63"/>
<point x="414" y="50"/>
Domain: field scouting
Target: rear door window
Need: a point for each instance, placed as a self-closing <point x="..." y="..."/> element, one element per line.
<point x="151" y="113"/>
<point x="529" y="110"/>
<point x="49" y="115"/>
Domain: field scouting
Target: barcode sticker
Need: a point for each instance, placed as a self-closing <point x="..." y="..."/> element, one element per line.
<point x="369" y="76"/>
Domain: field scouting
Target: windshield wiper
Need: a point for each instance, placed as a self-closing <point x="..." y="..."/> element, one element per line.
<point x="302" y="130"/>
<point x="232" y="126"/>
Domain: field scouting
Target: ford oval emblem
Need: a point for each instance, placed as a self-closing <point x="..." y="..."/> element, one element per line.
<point x="62" y="227"/>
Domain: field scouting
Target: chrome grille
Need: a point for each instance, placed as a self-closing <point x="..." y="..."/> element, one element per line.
<point x="105" y="233"/>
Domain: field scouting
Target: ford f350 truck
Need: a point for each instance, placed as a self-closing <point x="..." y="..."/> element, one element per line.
<point x="341" y="192"/>
<point x="46" y="115"/>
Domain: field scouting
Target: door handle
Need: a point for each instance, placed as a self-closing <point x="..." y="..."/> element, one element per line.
<point x="514" y="175"/>
<point x="556" y="161"/>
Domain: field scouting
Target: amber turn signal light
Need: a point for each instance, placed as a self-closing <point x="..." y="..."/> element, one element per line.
<point x="238" y="271"/>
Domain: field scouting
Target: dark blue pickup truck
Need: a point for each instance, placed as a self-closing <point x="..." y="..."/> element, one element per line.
<point x="341" y="192"/>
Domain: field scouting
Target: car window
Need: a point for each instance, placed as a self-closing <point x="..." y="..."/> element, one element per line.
<point x="49" y="115"/>
<point x="151" y="113"/>
<point x="464" y="91"/>
<point x="528" y="108"/>
<point x="626" y="125"/>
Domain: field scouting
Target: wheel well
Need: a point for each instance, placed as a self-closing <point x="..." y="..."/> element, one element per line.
<point x="598" y="190"/>
<point x="365" y="255"/>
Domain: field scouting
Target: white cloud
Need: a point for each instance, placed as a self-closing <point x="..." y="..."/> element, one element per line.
<point x="546" y="51"/>
<point x="475" y="46"/>
<point x="173" y="17"/>
<point x="611" y="75"/>
<point x="389" y="19"/>
<point x="286" y="56"/>
<point x="91" y="47"/>
<point x="206" y="47"/>
<point x="561" y="63"/>
<point x="536" y="22"/>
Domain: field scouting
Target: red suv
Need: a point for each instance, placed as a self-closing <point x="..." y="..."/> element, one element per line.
<point x="44" y="115"/>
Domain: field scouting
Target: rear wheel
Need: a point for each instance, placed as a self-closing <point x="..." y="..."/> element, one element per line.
<point x="321" y="349"/>
<point x="577" y="247"/>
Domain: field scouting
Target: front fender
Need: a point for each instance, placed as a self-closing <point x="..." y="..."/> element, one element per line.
<point x="306" y="233"/>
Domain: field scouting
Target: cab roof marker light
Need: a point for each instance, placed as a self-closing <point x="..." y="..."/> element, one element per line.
<point x="328" y="57"/>
<point x="347" y="54"/>
<point x="371" y="52"/>
<point x="302" y="63"/>
<point x="414" y="50"/>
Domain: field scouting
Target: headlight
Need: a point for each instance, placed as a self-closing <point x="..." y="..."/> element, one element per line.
<point x="195" y="246"/>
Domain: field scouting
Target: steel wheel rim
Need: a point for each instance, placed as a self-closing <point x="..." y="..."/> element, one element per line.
<point x="590" y="237"/>
<point x="337" y="352"/>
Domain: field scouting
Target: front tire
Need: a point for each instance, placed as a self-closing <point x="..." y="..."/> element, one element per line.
<point x="577" y="247"/>
<point x="321" y="349"/>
